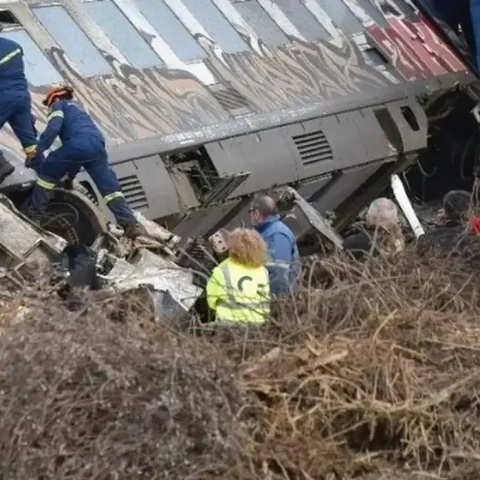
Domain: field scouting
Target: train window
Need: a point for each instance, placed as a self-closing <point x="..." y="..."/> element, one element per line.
<point x="216" y="25"/>
<point x="342" y="16"/>
<point x="372" y="11"/>
<point x="302" y="19"/>
<point x="8" y="19"/>
<point x="122" y="34"/>
<point x="73" y="40"/>
<point x="38" y="69"/>
<point x="171" y="30"/>
<point x="261" y="23"/>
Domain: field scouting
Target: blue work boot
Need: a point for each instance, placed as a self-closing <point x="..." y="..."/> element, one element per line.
<point x="6" y="168"/>
<point x="125" y="217"/>
<point x="37" y="205"/>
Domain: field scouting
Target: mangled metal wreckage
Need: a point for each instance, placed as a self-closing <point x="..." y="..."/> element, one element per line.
<point x="27" y="249"/>
<point x="172" y="270"/>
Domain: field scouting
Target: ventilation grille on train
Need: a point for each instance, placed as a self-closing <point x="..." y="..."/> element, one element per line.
<point x="230" y="99"/>
<point x="313" y="147"/>
<point x="133" y="191"/>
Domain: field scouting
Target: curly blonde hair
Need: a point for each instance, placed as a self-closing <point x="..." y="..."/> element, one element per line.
<point x="247" y="247"/>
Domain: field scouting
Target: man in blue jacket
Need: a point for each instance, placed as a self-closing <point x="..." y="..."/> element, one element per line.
<point x="83" y="145"/>
<point x="15" y="101"/>
<point x="284" y="264"/>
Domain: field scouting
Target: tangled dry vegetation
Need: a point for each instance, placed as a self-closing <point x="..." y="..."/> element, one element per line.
<point x="376" y="377"/>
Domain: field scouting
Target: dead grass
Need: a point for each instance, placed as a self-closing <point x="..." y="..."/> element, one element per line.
<point x="376" y="377"/>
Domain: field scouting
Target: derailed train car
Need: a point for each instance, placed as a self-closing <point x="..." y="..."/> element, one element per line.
<point x="206" y="102"/>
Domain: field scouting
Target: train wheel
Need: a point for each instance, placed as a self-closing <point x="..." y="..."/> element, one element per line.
<point x="74" y="217"/>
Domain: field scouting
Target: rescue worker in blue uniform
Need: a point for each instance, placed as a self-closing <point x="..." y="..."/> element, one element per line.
<point x="461" y="17"/>
<point x="475" y="16"/>
<point x="15" y="101"/>
<point x="284" y="265"/>
<point x="83" y="145"/>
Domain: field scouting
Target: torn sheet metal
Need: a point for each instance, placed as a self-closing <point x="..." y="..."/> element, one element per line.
<point x="156" y="231"/>
<point x="302" y="210"/>
<point x="160" y="274"/>
<point x="24" y="242"/>
<point x="168" y="311"/>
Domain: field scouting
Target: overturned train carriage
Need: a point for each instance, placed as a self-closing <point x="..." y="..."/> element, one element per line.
<point x="206" y="102"/>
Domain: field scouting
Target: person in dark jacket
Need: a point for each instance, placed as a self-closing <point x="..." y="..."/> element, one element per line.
<point x="382" y="233"/>
<point x="15" y="101"/>
<point x="453" y="236"/>
<point x="83" y="145"/>
<point x="284" y="260"/>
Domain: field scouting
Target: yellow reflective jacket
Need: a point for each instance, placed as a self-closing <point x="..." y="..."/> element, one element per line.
<point x="238" y="293"/>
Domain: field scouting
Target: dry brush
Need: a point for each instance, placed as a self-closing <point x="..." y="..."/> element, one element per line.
<point x="373" y="376"/>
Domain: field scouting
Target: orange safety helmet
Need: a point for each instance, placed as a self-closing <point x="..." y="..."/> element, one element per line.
<point x="57" y="92"/>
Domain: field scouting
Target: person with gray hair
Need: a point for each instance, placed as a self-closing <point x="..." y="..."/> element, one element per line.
<point x="383" y="213"/>
<point x="381" y="234"/>
<point x="284" y="259"/>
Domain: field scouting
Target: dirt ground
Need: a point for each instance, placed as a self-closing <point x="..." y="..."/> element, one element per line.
<point x="375" y="378"/>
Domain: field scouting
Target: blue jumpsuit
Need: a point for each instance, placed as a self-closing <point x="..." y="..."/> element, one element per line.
<point x="83" y="145"/>
<point x="475" y="13"/>
<point x="458" y="14"/>
<point x="15" y="100"/>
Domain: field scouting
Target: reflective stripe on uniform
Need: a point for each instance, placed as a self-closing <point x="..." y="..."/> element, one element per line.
<point x="279" y="264"/>
<point x="46" y="185"/>
<point x="258" y="307"/>
<point x="30" y="149"/>
<point x="113" y="196"/>
<point x="8" y="57"/>
<point x="56" y="114"/>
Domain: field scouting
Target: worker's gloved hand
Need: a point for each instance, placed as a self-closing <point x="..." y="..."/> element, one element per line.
<point x="30" y="156"/>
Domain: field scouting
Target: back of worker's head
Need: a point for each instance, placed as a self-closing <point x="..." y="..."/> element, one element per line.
<point x="262" y="208"/>
<point x="57" y="93"/>
<point x="456" y="205"/>
<point x="247" y="247"/>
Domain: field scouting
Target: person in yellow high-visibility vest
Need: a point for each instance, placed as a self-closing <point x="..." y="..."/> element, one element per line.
<point x="238" y="290"/>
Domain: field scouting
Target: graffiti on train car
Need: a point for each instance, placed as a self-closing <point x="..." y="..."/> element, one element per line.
<point x="298" y="75"/>
<point x="135" y="104"/>
<point x="415" y="49"/>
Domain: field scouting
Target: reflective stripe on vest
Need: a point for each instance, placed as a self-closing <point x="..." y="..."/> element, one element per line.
<point x="9" y="56"/>
<point x="258" y="307"/>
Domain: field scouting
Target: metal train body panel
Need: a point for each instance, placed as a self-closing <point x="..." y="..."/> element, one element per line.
<point x="315" y="93"/>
